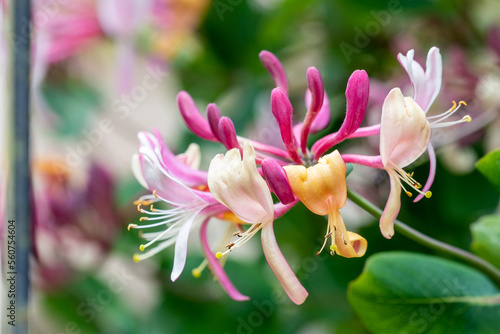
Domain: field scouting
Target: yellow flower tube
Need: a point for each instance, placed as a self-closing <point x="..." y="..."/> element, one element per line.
<point x="322" y="188"/>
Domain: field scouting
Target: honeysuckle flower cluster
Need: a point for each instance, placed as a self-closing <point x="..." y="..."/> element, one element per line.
<point x="238" y="185"/>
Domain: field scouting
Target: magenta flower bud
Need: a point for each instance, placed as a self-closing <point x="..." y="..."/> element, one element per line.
<point x="357" y="92"/>
<point x="213" y="115"/>
<point x="275" y="68"/>
<point x="323" y="118"/>
<point x="227" y="133"/>
<point x="193" y="118"/>
<point x="282" y="111"/>
<point x="315" y="84"/>
<point x="277" y="181"/>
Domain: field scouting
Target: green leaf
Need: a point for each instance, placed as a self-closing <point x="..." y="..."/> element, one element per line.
<point x="400" y="292"/>
<point x="486" y="239"/>
<point x="73" y="102"/>
<point x="489" y="166"/>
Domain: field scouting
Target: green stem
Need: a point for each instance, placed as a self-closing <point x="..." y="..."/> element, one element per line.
<point x="429" y="242"/>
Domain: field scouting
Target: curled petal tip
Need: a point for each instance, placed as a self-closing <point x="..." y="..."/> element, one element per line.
<point x="315" y="85"/>
<point x="193" y="118"/>
<point x="213" y="116"/>
<point x="227" y="133"/>
<point x="282" y="110"/>
<point x="275" y="68"/>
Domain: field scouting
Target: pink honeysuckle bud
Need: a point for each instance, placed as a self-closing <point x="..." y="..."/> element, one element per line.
<point x="275" y="68"/>
<point x="227" y="133"/>
<point x="323" y="117"/>
<point x="277" y="180"/>
<point x="282" y="111"/>
<point x="213" y="116"/>
<point x="357" y="93"/>
<point x="315" y="84"/>
<point x="193" y="118"/>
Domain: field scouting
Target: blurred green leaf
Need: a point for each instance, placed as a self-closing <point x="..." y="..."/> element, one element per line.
<point x="486" y="239"/>
<point x="489" y="166"/>
<point x="72" y="102"/>
<point x="401" y="292"/>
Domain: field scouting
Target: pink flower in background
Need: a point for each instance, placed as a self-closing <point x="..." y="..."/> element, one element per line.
<point x="68" y="218"/>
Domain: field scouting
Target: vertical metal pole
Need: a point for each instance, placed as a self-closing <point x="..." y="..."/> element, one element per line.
<point x="19" y="173"/>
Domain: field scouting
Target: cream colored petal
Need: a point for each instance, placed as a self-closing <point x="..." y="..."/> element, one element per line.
<point x="392" y="207"/>
<point x="238" y="185"/>
<point x="404" y="132"/>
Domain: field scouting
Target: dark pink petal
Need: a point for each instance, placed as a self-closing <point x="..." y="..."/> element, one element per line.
<point x="277" y="180"/>
<point x="213" y="116"/>
<point x="275" y="68"/>
<point x="357" y="93"/>
<point x="227" y="134"/>
<point x="315" y="84"/>
<point x="193" y="118"/>
<point x="323" y="118"/>
<point x="282" y="111"/>
<point x="217" y="269"/>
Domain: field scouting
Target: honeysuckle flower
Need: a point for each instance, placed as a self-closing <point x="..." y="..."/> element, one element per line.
<point x="322" y="188"/>
<point x="175" y="181"/>
<point x="404" y="136"/>
<point x="190" y="206"/>
<point x="235" y="182"/>
<point x="426" y="85"/>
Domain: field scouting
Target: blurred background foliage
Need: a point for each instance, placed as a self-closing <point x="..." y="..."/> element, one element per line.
<point x="222" y="65"/>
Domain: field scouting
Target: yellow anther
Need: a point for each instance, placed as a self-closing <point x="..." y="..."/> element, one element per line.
<point x="428" y="194"/>
<point x="409" y="194"/>
<point x="218" y="255"/>
<point x="154" y="193"/>
<point x="410" y="174"/>
<point x="137" y="258"/>
<point x="333" y="248"/>
<point x="143" y="218"/>
<point x="131" y="226"/>
<point x="196" y="273"/>
<point x="454" y="106"/>
<point x="462" y="103"/>
<point x="467" y="119"/>
<point x="142" y="248"/>
<point x="139" y="207"/>
<point x="230" y="245"/>
<point x="153" y="209"/>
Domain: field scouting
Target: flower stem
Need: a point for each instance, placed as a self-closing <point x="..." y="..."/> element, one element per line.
<point x="475" y="261"/>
